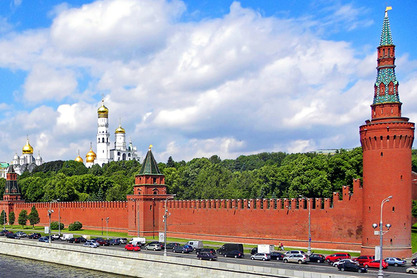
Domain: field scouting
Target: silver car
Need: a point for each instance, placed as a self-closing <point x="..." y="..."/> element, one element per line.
<point x="153" y="246"/>
<point x="261" y="256"/>
<point x="295" y="258"/>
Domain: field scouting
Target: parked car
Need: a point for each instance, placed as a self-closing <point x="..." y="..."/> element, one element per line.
<point x="412" y="270"/>
<point x="350" y="266"/>
<point x="171" y="245"/>
<point x="336" y="264"/>
<point x="34" y="236"/>
<point x="337" y="257"/>
<point x="102" y="241"/>
<point x="254" y="250"/>
<point x="261" y="256"/>
<point x="21" y="234"/>
<point x="77" y="240"/>
<point x="56" y="236"/>
<point x="205" y="250"/>
<point x="414" y="261"/>
<point x="364" y="259"/>
<point x="277" y="256"/>
<point x="90" y="244"/>
<point x="395" y="261"/>
<point x="131" y="247"/>
<point x="233" y="254"/>
<point x="292" y="252"/>
<point x="156" y="246"/>
<point x="227" y="247"/>
<point x="375" y="264"/>
<point x="207" y="256"/>
<point x="114" y="241"/>
<point x="182" y="249"/>
<point x="44" y="239"/>
<point x="123" y="240"/>
<point x="3" y="232"/>
<point x="12" y="235"/>
<point x="295" y="258"/>
<point x="161" y="244"/>
<point x="319" y="258"/>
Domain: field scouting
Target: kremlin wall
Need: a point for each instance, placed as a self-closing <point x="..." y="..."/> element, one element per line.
<point x="343" y="222"/>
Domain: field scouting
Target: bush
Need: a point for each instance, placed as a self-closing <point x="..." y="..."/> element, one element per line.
<point x="55" y="226"/>
<point x="76" y="226"/>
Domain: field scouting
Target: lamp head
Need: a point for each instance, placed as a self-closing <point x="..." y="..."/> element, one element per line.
<point x="374" y="225"/>
<point x="388" y="226"/>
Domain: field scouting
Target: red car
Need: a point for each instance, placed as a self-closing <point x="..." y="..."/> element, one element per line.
<point x="364" y="259"/>
<point x="375" y="264"/>
<point x="337" y="257"/>
<point x="131" y="247"/>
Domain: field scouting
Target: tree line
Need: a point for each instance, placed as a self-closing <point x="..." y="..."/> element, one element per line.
<point x="264" y="175"/>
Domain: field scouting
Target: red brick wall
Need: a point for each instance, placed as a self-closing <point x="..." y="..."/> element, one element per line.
<point x="90" y="214"/>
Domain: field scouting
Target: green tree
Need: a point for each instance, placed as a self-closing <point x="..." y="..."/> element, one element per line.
<point x="33" y="217"/>
<point x="23" y="218"/>
<point x="3" y="218"/>
<point x="170" y="162"/>
<point x="12" y="217"/>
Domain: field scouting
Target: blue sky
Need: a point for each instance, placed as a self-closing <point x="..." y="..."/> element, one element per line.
<point x="196" y="78"/>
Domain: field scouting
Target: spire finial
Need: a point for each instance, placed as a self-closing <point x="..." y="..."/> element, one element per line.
<point x="150" y="147"/>
<point x="388" y="8"/>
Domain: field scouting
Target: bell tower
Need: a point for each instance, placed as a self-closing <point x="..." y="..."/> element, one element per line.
<point x="386" y="142"/>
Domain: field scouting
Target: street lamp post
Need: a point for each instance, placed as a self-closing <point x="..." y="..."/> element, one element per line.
<point x="107" y="226"/>
<point x="59" y="217"/>
<point x="50" y="211"/>
<point x="101" y="226"/>
<point x="165" y="218"/>
<point x="381" y="233"/>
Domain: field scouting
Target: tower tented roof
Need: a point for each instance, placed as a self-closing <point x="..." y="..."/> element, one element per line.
<point x="386" y="38"/>
<point x="149" y="166"/>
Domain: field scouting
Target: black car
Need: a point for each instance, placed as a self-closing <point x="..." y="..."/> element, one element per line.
<point x="182" y="249"/>
<point x="77" y="240"/>
<point x="4" y="232"/>
<point x="171" y="245"/>
<point x="349" y="266"/>
<point x="207" y="256"/>
<point x="277" y="256"/>
<point x="114" y="241"/>
<point x="319" y="258"/>
<point x="414" y="261"/>
<point x="254" y="250"/>
<point x="233" y="254"/>
<point x="35" y="236"/>
<point x="12" y="235"/>
<point x="205" y="250"/>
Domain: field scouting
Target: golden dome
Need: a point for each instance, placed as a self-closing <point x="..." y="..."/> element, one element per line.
<point x="27" y="149"/>
<point x="79" y="159"/>
<point x="91" y="156"/>
<point x="120" y="129"/>
<point x="103" y="111"/>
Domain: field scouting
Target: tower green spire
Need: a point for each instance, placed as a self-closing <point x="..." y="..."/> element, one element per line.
<point x="149" y="167"/>
<point x="386" y="38"/>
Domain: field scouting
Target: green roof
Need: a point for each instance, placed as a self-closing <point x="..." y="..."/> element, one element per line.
<point x="4" y="164"/>
<point x="386" y="38"/>
<point x="149" y="166"/>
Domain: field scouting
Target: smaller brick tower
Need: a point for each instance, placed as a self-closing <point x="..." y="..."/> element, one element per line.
<point x="386" y="142"/>
<point x="11" y="194"/>
<point x="148" y="192"/>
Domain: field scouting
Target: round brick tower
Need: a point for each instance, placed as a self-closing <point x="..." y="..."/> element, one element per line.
<point x="386" y="142"/>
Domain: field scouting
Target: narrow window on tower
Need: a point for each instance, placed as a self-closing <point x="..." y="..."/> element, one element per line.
<point x="393" y="209"/>
<point x="382" y="154"/>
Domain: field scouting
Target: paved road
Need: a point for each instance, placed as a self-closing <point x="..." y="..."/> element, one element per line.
<point x="392" y="271"/>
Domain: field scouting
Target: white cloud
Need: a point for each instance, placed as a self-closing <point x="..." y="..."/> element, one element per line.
<point x="45" y="83"/>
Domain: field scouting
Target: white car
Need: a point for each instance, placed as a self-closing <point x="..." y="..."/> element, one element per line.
<point x="90" y="244"/>
<point x="412" y="269"/>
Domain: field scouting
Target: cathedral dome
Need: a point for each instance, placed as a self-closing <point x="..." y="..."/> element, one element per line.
<point x="103" y="111"/>
<point x="27" y="149"/>
<point x="79" y="159"/>
<point x="120" y="129"/>
<point x="91" y="156"/>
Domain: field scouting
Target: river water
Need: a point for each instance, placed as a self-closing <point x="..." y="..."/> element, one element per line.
<point x="13" y="267"/>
